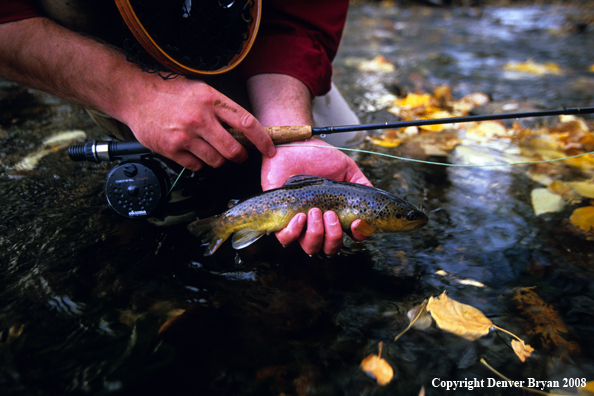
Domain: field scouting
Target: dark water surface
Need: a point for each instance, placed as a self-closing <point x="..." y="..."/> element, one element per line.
<point x="84" y="294"/>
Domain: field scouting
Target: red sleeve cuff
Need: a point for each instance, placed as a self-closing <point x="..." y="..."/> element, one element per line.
<point x="14" y="10"/>
<point x="299" y="39"/>
<point x="297" y="57"/>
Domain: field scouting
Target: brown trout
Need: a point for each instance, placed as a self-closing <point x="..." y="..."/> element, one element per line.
<point x="272" y="210"/>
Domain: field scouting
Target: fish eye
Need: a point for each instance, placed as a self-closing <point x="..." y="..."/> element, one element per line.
<point x="411" y="216"/>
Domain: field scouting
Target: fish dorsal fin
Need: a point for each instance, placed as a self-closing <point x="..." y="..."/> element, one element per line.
<point x="365" y="228"/>
<point x="243" y="238"/>
<point x="298" y="179"/>
<point x="233" y="203"/>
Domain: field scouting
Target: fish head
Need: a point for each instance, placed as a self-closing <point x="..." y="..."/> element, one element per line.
<point x="398" y="215"/>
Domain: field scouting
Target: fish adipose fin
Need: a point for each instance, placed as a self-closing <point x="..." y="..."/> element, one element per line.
<point x="243" y="238"/>
<point x="365" y="228"/>
<point x="203" y="228"/>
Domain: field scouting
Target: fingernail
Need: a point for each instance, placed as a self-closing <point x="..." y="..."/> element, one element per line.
<point x="315" y="214"/>
<point x="331" y="218"/>
<point x="301" y="220"/>
<point x="271" y="151"/>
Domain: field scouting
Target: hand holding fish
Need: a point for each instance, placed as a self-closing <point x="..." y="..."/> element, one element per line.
<point x="323" y="232"/>
<point x="283" y="100"/>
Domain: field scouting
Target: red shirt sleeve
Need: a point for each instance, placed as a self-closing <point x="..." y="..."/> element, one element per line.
<point x="14" y="10"/>
<point x="298" y="38"/>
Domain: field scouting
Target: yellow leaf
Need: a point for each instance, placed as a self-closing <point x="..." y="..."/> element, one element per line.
<point x="414" y="100"/>
<point x="591" y="69"/>
<point x="584" y="188"/>
<point x="377" y="64"/>
<point x="544" y="201"/>
<point x="586" y="390"/>
<point x="432" y="114"/>
<point x="583" y="217"/>
<point x="522" y="350"/>
<point x="378" y="368"/>
<point x="487" y="130"/>
<point x="389" y="143"/>
<point x="457" y="318"/>
<point x="532" y="67"/>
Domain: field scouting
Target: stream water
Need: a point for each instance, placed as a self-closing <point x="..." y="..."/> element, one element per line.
<point x="85" y="294"/>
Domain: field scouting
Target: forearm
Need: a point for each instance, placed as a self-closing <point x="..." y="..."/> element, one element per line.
<point x="42" y="54"/>
<point x="280" y="100"/>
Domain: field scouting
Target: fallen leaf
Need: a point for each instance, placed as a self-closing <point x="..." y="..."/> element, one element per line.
<point x="470" y="282"/>
<point x="531" y="67"/>
<point x="457" y="318"/>
<point x="583" y="217"/>
<point x="487" y="130"/>
<point x="378" y="368"/>
<point x="544" y="201"/>
<point x="522" y="350"/>
<point x="564" y="190"/>
<point x="377" y="64"/>
<point x="546" y="321"/>
<point x="414" y="100"/>
<point x="583" y="188"/>
<point x="384" y="142"/>
<point x="586" y="390"/>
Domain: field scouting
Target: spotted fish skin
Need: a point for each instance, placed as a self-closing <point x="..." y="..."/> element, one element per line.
<point x="272" y="210"/>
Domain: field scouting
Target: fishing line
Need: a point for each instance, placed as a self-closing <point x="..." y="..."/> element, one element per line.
<point x="176" y="180"/>
<point x="415" y="160"/>
<point x="438" y="163"/>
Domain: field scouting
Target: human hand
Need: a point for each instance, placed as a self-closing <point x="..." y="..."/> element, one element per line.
<point x="323" y="232"/>
<point x="181" y="119"/>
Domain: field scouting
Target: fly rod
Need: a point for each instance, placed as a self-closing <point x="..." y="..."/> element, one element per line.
<point x="107" y="151"/>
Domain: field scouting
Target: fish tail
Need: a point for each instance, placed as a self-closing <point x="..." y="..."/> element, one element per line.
<point x="211" y="235"/>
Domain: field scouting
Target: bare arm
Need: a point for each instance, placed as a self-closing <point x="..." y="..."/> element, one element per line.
<point x="178" y="118"/>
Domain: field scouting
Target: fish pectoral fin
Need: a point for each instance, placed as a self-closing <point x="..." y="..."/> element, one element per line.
<point x="243" y="238"/>
<point x="365" y="228"/>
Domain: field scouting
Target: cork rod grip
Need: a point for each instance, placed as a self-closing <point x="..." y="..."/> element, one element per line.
<point x="279" y="134"/>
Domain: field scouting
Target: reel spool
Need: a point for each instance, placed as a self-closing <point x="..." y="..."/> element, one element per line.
<point x="136" y="188"/>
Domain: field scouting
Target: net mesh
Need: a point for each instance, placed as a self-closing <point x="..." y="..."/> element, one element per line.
<point x="200" y="34"/>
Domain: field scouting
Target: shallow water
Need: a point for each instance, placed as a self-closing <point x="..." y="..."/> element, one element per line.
<point x="85" y="294"/>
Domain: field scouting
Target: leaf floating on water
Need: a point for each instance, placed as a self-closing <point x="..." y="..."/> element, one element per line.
<point x="379" y="64"/>
<point x="49" y="145"/>
<point x="521" y="349"/>
<point x="583" y="218"/>
<point x="544" y="201"/>
<point x="583" y="188"/>
<point x="378" y="368"/>
<point x="531" y="67"/>
<point x="457" y="318"/>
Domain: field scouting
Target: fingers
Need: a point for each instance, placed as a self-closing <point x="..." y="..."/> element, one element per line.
<point x="356" y="235"/>
<point x="291" y="232"/>
<point x="312" y="240"/>
<point x="243" y="121"/>
<point x="333" y="233"/>
<point x="323" y="233"/>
